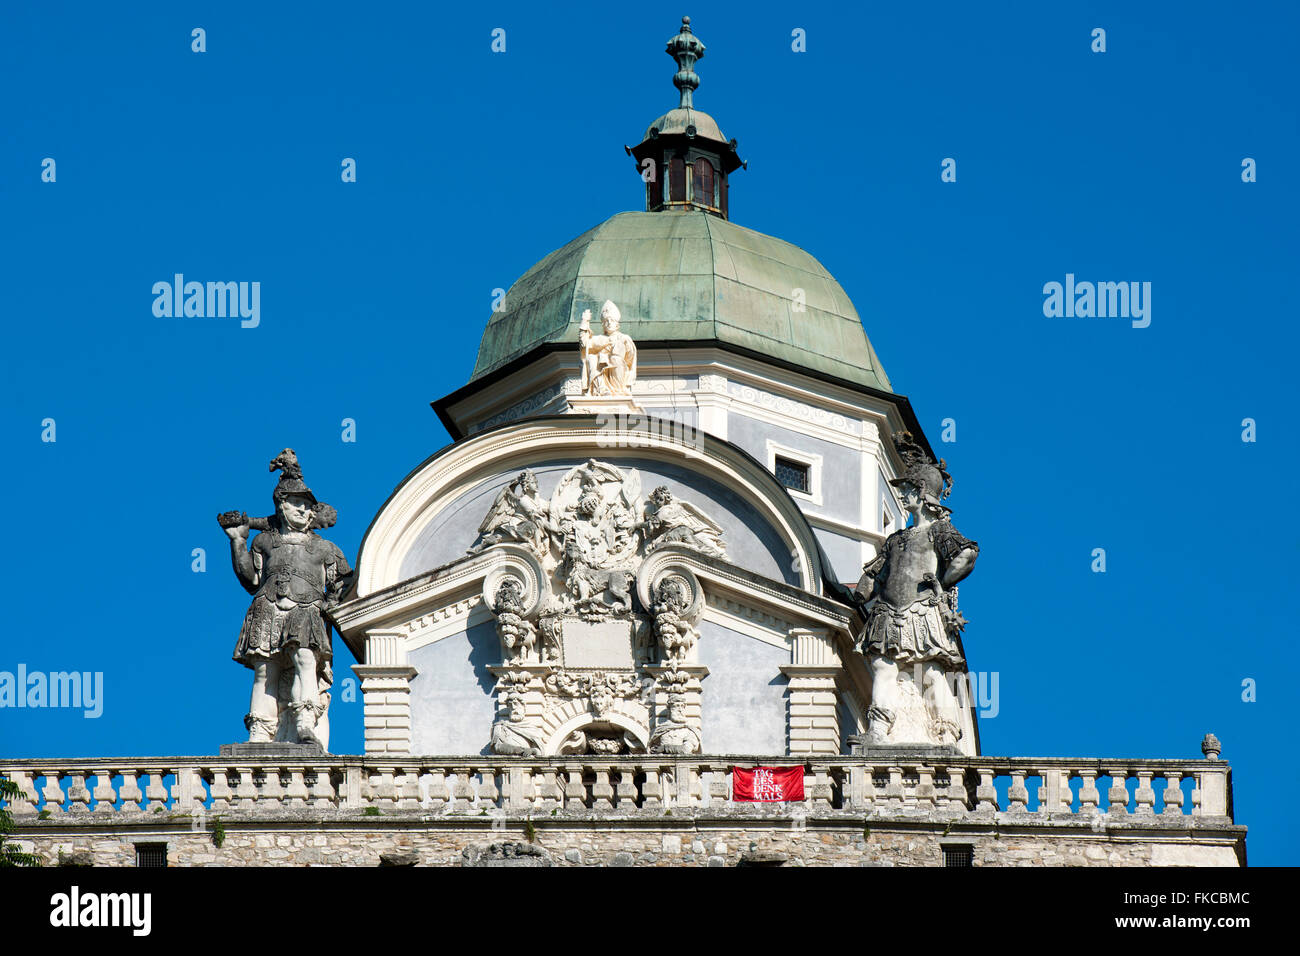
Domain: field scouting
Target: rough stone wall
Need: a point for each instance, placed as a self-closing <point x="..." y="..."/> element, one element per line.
<point x="368" y="841"/>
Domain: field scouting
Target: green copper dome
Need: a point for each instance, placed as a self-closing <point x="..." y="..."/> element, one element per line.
<point x="680" y="277"/>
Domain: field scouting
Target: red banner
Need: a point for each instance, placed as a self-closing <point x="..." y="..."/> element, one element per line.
<point x="766" y="784"/>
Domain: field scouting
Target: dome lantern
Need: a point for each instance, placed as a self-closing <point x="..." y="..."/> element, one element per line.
<point x="684" y="160"/>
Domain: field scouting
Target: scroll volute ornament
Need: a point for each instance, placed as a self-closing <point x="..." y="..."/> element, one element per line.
<point x="675" y="598"/>
<point x="514" y="590"/>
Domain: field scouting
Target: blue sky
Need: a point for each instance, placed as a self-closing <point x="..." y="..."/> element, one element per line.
<point x="1072" y="434"/>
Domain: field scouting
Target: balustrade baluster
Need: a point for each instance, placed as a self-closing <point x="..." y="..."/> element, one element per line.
<point x="719" y="778"/>
<point x="462" y="793"/>
<point x="925" y="792"/>
<point x="870" y="795"/>
<point x="24" y="804"/>
<point x="406" y="788"/>
<point x="1017" y="793"/>
<point x="245" y="789"/>
<point x="652" y="788"/>
<point x="602" y="793"/>
<point x="1146" y="794"/>
<point x="437" y="793"/>
<point x="1089" y="795"/>
<point x="53" y="793"/>
<point x="986" y="794"/>
<point x="550" y="796"/>
<point x="1174" y="794"/>
<point x="488" y="792"/>
<point x="625" y="793"/>
<point x="530" y="790"/>
<point x="575" y="791"/>
<point x="295" y="795"/>
<point x="383" y="791"/>
<point x="821" y="788"/>
<point x="78" y="793"/>
<point x="271" y="793"/>
<point x="322" y="790"/>
<point x="105" y="793"/>
<point x="155" y="792"/>
<point x="894" y="793"/>
<point x="1118" y="793"/>
<point x="219" y="785"/>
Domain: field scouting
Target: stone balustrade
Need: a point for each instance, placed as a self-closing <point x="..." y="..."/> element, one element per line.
<point x="1020" y="789"/>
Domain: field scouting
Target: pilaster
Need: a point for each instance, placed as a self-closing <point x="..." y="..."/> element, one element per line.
<point x="386" y="693"/>
<point x="813" y="700"/>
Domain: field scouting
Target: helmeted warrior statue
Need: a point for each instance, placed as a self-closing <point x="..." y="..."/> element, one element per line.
<point x="295" y="577"/>
<point x="909" y="599"/>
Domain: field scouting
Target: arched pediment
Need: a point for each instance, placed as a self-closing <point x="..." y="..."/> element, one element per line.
<point x="434" y="515"/>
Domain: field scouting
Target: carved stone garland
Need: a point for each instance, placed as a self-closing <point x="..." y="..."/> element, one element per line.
<point x="598" y="646"/>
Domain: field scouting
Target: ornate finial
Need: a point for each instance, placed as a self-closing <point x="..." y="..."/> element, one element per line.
<point x="1211" y="747"/>
<point x="686" y="49"/>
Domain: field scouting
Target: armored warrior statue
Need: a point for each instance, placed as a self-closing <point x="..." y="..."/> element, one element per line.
<point x="295" y="577"/>
<point x="908" y="595"/>
<point x="608" y="360"/>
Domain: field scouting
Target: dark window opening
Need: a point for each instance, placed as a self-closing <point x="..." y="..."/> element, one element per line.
<point x="959" y="855"/>
<point x="151" y="854"/>
<point x="655" y="192"/>
<point x="676" y="179"/>
<point x="704" y="182"/>
<point x="792" y="474"/>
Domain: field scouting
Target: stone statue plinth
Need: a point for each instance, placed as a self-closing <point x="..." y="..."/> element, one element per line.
<point x="603" y="405"/>
<point x="861" y="746"/>
<point x="272" y="748"/>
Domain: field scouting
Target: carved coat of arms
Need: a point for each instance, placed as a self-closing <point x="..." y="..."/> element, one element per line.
<point x="588" y="637"/>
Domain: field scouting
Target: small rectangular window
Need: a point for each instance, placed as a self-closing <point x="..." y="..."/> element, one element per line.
<point x="151" y="854"/>
<point x="959" y="855"/>
<point x="792" y="474"/>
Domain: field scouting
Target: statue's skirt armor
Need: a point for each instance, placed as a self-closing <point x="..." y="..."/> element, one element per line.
<point x="269" y="631"/>
<point x="911" y="634"/>
<point x="285" y="615"/>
